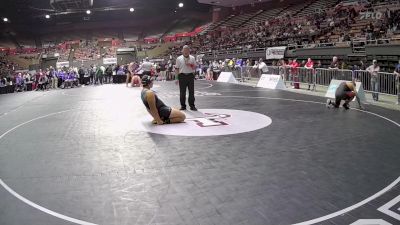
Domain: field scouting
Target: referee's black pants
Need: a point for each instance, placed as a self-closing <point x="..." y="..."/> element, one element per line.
<point x="186" y="80"/>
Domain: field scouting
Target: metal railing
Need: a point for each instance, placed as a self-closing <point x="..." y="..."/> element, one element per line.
<point x="383" y="83"/>
<point x="218" y="53"/>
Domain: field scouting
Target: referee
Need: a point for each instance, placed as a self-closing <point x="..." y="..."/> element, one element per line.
<point x="146" y="67"/>
<point x="185" y="68"/>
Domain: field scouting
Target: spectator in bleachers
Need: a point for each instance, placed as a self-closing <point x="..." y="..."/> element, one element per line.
<point x="373" y="71"/>
<point x="335" y="63"/>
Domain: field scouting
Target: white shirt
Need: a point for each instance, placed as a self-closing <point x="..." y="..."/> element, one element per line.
<point x="146" y="66"/>
<point x="373" y="70"/>
<point x="183" y="64"/>
<point x="262" y="66"/>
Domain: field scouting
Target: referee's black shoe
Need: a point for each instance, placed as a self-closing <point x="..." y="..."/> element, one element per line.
<point x="193" y="108"/>
<point x="182" y="108"/>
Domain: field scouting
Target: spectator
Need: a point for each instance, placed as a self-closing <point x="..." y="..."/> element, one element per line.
<point x="163" y="70"/>
<point x="294" y="65"/>
<point x="309" y="64"/>
<point x="216" y="70"/>
<point x="373" y="71"/>
<point x="99" y="75"/>
<point x="81" y="73"/>
<point x="334" y="64"/>
<point x="262" y="66"/>
<point x="362" y="65"/>
<point x="170" y="69"/>
<point x="397" y="73"/>
<point x="310" y="73"/>
<point x="109" y="72"/>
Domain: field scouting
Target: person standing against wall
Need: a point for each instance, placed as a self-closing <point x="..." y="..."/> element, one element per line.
<point x="374" y="70"/>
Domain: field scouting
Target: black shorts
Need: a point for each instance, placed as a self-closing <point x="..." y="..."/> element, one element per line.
<point x="164" y="112"/>
<point x="343" y="92"/>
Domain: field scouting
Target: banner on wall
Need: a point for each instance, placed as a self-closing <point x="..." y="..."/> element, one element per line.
<point x="108" y="61"/>
<point x="62" y="64"/>
<point x="275" y="52"/>
<point x="371" y="15"/>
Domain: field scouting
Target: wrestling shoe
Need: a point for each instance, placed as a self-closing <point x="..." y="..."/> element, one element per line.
<point x="328" y="103"/>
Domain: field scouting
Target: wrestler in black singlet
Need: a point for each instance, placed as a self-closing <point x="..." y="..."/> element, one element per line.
<point x="343" y="92"/>
<point x="163" y="110"/>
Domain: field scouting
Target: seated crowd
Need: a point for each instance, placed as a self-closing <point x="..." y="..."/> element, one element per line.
<point x="329" y="26"/>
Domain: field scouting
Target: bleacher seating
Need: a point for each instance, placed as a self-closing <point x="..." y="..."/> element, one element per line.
<point x="317" y="6"/>
<point x="239" y="20"/>
<point x="215" y="25"/>
<point x="264" y="16"/>
<point x="292" y="10"/>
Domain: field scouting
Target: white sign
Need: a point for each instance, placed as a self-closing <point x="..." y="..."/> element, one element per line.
<point x="209" y="122"/>
<point x="62" y="64"/>
<point x="371" y="15"/>
<point x="108" y="61"/>
<point x="227" y="77"/>
<point x="335" y="84"/>
<point x="271" y="82"/>
<point x="275" y="52"/>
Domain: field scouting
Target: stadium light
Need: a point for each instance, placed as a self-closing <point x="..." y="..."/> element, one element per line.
<point x="47" y="16"/>
<point x="180" y="5"/>
<point x="88" y="12"/>
<point x="131" y="9"/>
<point x="5" y="19"/>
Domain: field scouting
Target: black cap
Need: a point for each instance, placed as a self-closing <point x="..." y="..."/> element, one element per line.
<point x="146" y="80"/>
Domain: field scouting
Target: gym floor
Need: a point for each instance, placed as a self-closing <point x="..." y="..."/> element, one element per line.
<point x="250" y="156"/>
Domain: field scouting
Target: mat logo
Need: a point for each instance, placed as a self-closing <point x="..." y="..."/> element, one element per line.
<point x="211" y="120"/>
<point x="392" y="208"/>
<point x="388" y="209"/>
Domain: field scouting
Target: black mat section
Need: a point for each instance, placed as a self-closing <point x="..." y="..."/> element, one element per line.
<point x="89" y="163"/>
